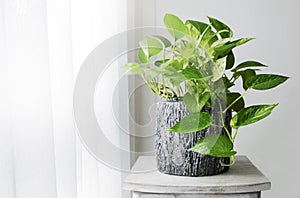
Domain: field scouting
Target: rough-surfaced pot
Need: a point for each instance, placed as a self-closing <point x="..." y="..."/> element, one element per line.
<point x="172" y="153"/>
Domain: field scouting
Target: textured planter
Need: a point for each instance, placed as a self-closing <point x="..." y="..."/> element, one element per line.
<point x="171" y="148"/>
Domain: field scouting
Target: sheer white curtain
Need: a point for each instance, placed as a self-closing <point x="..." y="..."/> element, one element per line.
<point x="42" y="45"/>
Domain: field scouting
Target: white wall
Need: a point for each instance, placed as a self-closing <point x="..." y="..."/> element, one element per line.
<point x="273" y="143"/>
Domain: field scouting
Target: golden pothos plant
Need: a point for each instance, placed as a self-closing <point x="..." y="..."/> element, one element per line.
<point x="198" y="66"/>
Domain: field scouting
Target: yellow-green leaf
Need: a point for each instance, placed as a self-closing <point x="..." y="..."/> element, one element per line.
<point x="164" y="40"/>
<point x="175" y="26"/>
<point x="134" y="68"/>
<point x="192" y="123"/>
<point x="251" y="115"/>
<point x="218" y="25"/>
<point x="191" y="103"/>
<point x="238" y="105"/>
<point x="214" y="145"/>
<point x="248" y="64"/>
<point x="265" y="81"/>
<point x="225" y="49"/>
<point x="150" y="46"/>
<point x="142" y="56"/>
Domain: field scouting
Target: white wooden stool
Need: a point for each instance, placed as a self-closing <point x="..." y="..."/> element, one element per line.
<point x="243" y="180"/>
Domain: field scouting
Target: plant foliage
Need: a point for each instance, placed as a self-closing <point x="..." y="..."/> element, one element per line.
<point x="198" y="65"/>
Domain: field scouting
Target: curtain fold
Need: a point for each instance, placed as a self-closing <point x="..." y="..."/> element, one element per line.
<point x="42" y="46"/>
<point x="31" y="131"/>
<point x="59" y="33"/>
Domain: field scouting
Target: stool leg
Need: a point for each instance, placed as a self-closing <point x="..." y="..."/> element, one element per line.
<point x="259" y="194"/>
<point x="135" y="195"/>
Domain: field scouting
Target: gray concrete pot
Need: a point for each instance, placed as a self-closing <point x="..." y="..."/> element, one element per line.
<point x="171" y="148"/>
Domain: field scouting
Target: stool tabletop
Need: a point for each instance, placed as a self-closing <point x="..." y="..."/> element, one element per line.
<point x="243" y="177"/>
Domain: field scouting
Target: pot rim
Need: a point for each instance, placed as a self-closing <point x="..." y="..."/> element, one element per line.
<point x="171" y="100"/>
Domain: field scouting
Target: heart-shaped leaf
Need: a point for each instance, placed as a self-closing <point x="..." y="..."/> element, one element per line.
<point x="153" y="72"/>
<point x="225" y="49"/>
<point x="219" y="69"/>
<point x="192" y="32"/>
<point x="251" y="115"/>
<point x="238" y="105"/>
<point x="218" y="25"/>
<point x="175" y="26"/>
<point x="174" y="64"/>
<point x="192" y="73"/>
<point x="191" y="103"/>
<point x="150" y="46"/>
<point x="248" y="64"/>
<point x="200" y="26"/>
<point x="134" y="68"/>
<point x="160" y="62"/>
<point x="207" y="36"/>
<point x="164" y="40"/>
<point x="174" y="76"/>
<point x="192" y="123"/>
<point x="227" y="83"/>
<point x="142" y="56"/>
<point x="214" y="145"/>
<point x="265" y="81"/>
<point x="230" y="60"/>
<point x="202" y="99"/>
<point x="220" y="42"/>
<point x="246" y="74"/>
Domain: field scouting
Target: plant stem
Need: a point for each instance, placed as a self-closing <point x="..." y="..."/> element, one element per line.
<point x="173" y="49"/>
<point x="164" y="86"/>
<point x="236" y="100"/>
<point x="223" y="124"/>
<point x="235" y="133"/>
<point x="231" y="164"/>
<point x="178" y="91"/>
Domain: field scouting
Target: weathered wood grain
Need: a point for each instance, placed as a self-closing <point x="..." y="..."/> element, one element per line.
<point x="171" y="148"/>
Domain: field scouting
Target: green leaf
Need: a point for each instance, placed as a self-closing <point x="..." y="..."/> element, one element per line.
<point x="251" y="115"/>
<point x="221" y="42"/>
<point x="192" y="32"/>
<point x="225" y="49"/>
<point x="151" y="46"/>
<point x="173" y="71"/>
<point x="175" y="64"/>
<point x="238" y="105"/>
<point x="142" y="56"/>
<point x="186" y="49"/>
<point x="230" y="60"/>
<point x="153" y="72"/>
<point x="227" y="83"/>
<point x="160" y="62"/>
<point x="215" y="145"/>
<point x="200" y="26"/>
<point x="173" y="75"/>
<point x="191" y="103"/>
<point x="218" y="25"/>
<point x="134" y="68"/>
<point x="265" y="81"/>
<point x="175" y="26"/>
<point x="192" y="123"/>
<point x="196" y="88"/>
<point x="202" y="99"/>
<point x="164" y="40"/>
<point x="208" y="37"/>
<point x="194" y="105"/>
<point x="219" y="69"/>
<point x="192" y="73"/>
<point x="248" y="73"/>
<point x="248" y="64"/>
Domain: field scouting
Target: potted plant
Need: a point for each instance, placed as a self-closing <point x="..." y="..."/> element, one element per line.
<point x="199" y="115"/>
